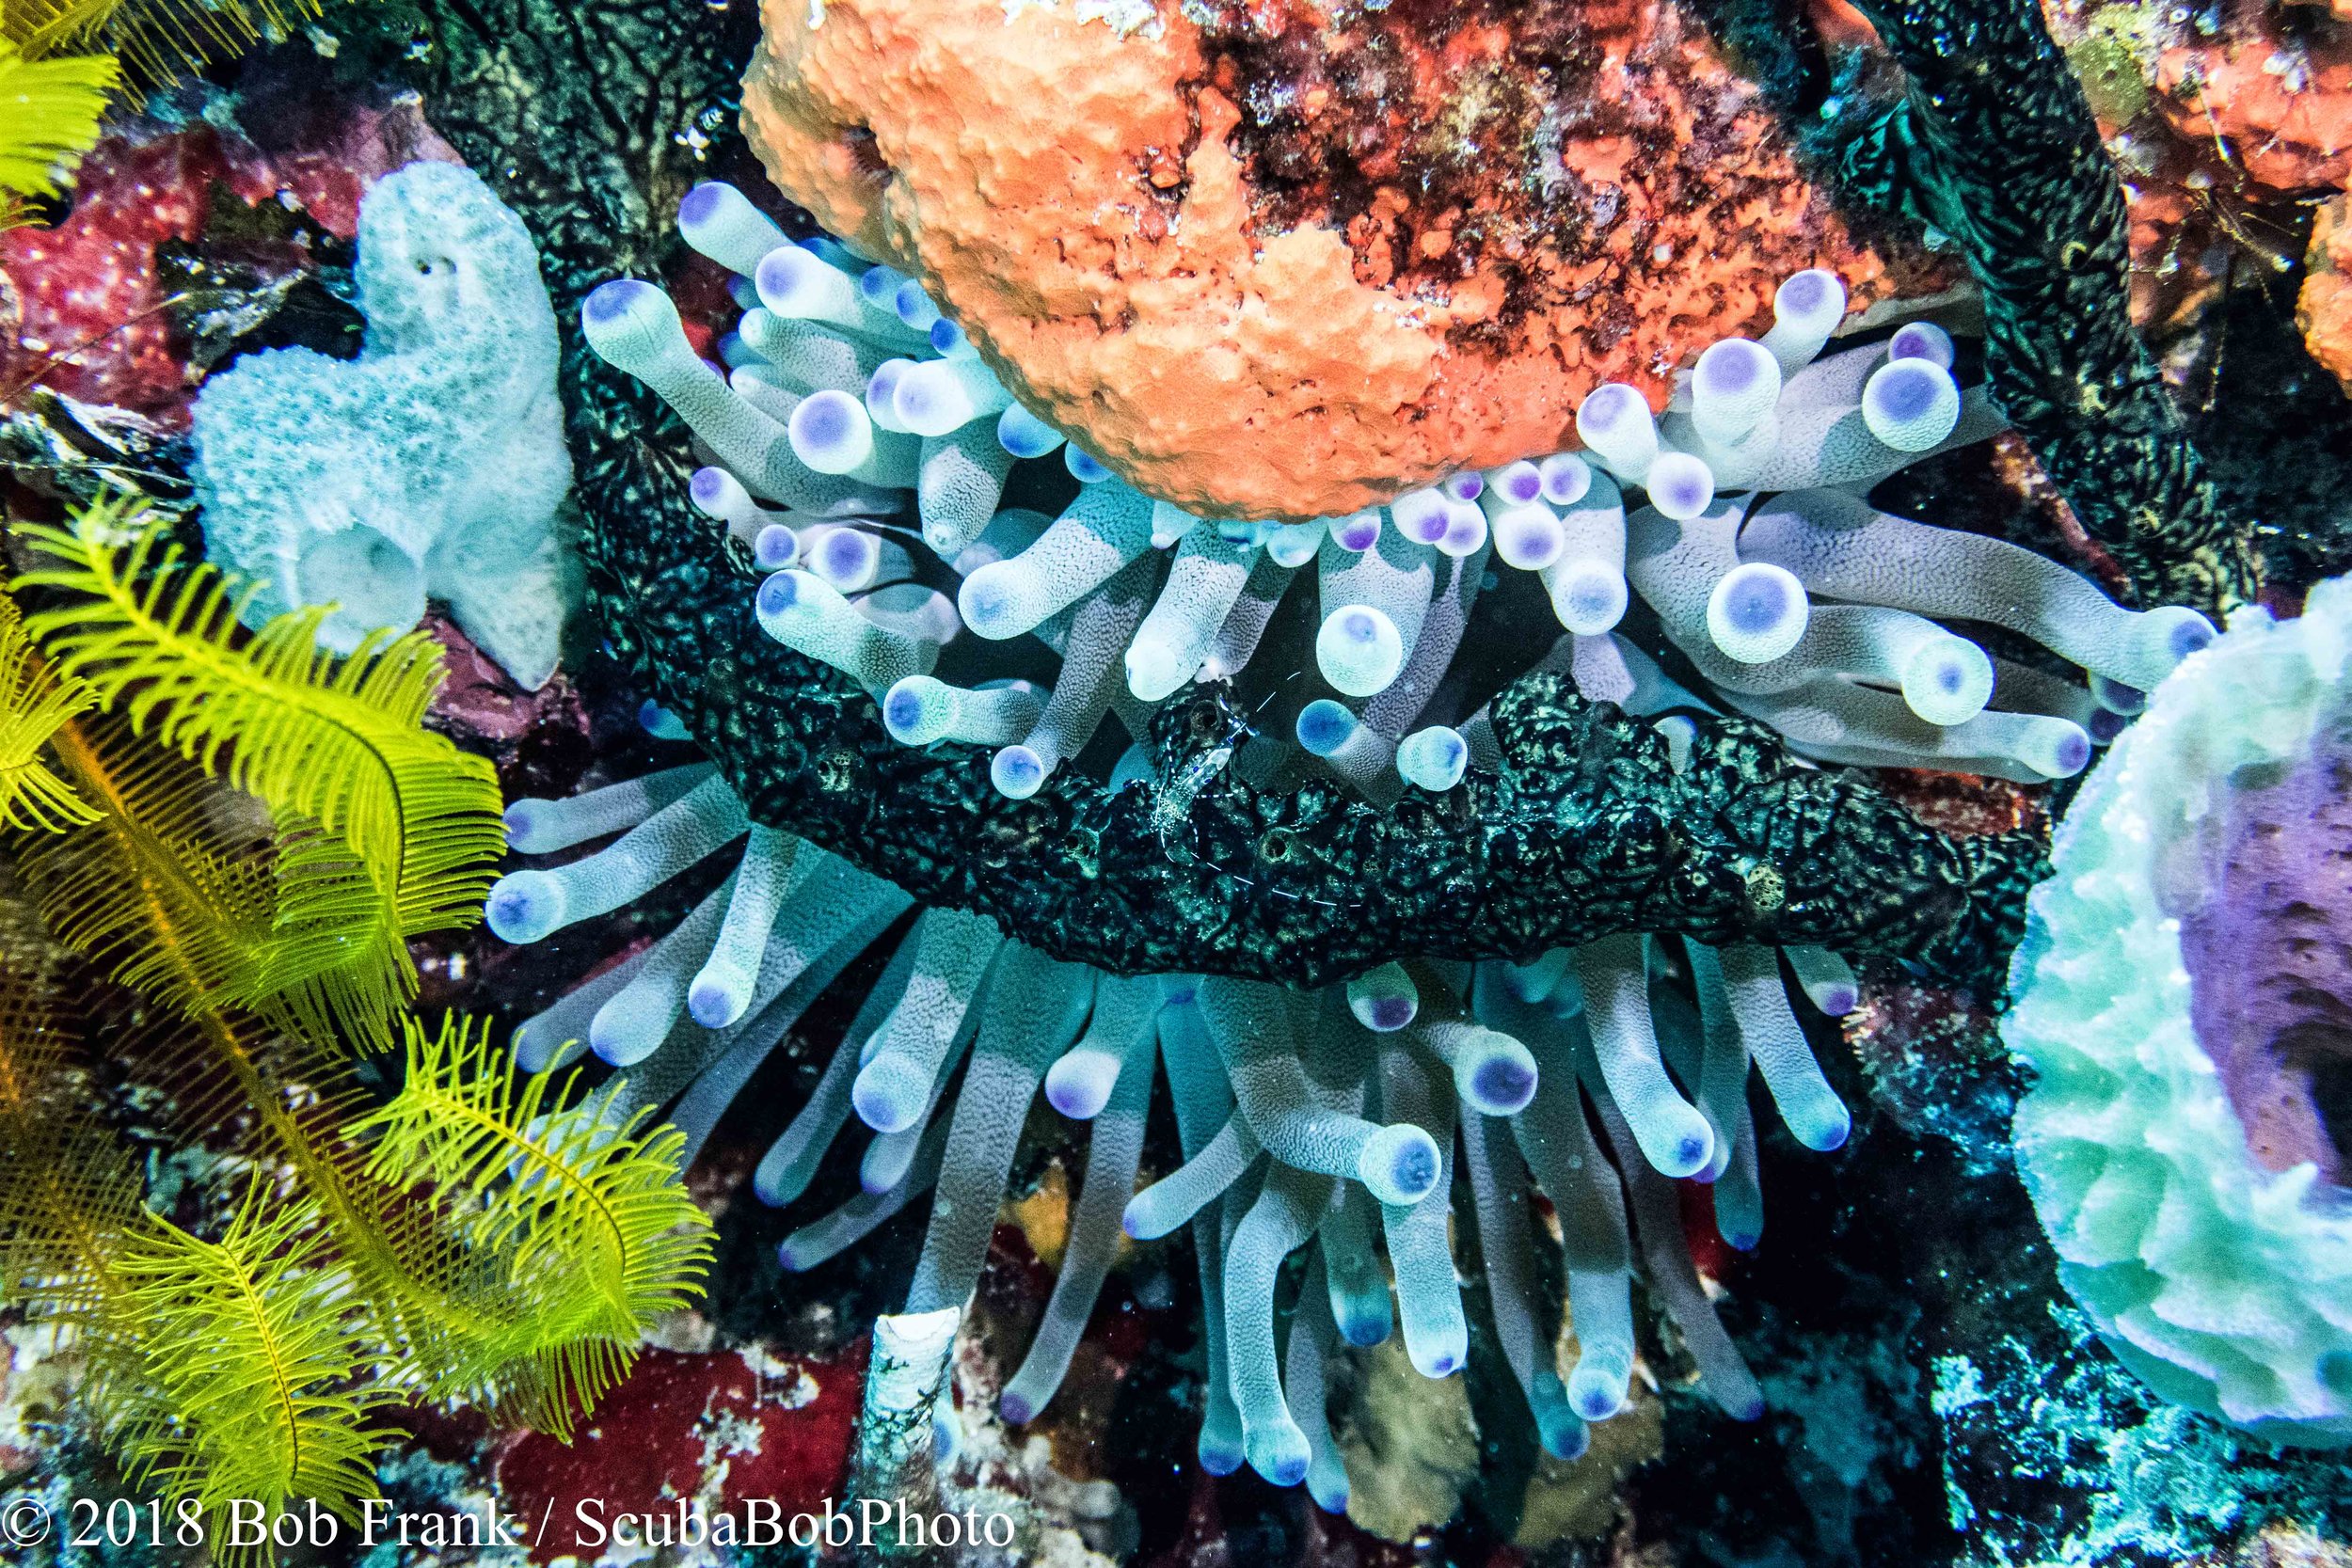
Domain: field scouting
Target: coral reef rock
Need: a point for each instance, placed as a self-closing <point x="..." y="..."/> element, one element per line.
<point x="1415" y="1451"/>
<point x="434" y="464"/>
<point x="2054" y="1455"/>
<point x="2324" y="309"/>
<point x="85" y="296"/>
<point x="1284" y="261"/>
<point x="89" y="307"/>
<point x="2180" y="995"/>
<point x="2279" y="93"/>
<point x="2219" y="119"/>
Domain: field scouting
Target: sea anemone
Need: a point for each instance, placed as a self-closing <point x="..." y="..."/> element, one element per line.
<point x="1307" y="1117"/>
<point x="847" y="390"/>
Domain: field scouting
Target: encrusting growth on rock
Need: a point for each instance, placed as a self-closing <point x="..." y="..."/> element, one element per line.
<point x="1288" y="261"/>
<point x="1994" y="145"/>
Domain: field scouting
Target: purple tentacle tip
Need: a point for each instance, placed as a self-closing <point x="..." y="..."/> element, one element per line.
<point x="1611" y="404"/>
<point x="701" y="204"/>
<point x="1507" y="1083"/>
<point x="1731" y="366"/>
<point x="1806" y="291"/>
<point x="1595" y="1404"/>
<point x="776" y="548"/>
<point x="846" y="551"/>
<point x="1906" y="389"/>
<point x="609" y="301"/>
<point x="1757" y="604"/>
<point x="1563" y="1436"/>
<point x="824" y="421"/>
<point x="1414" y="1168"/>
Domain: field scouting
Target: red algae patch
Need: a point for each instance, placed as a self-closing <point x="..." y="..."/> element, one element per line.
<point x="1287" y="258"/>
<point x="90" y="318"/>
<point x="687" y="1436"/>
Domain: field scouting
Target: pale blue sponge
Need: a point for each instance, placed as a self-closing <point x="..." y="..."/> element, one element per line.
<point x="433" y="464"/>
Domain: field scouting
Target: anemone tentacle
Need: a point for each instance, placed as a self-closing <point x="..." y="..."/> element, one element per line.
<point x="1577" y="819"/>
<point x="1329" y="1107"/>
<point x="1237" y="860"/>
